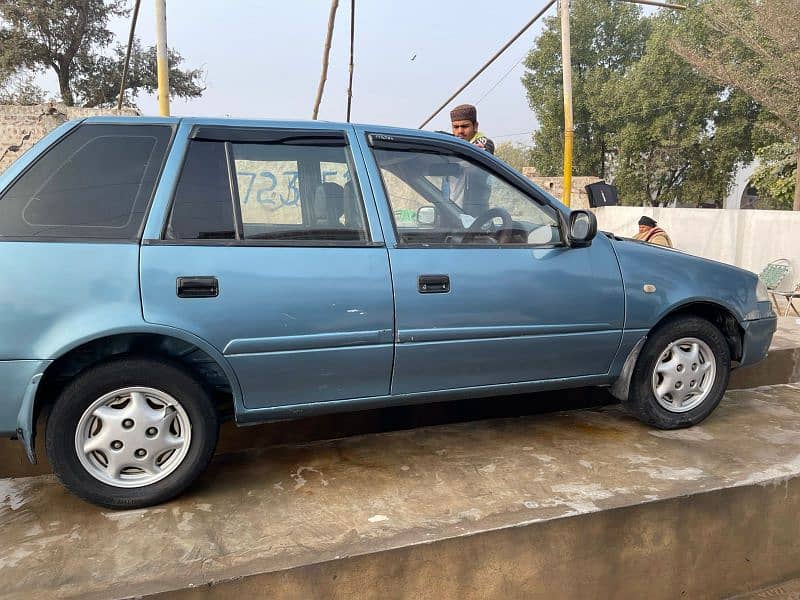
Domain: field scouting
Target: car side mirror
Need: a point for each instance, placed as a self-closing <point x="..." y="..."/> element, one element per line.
<point x="582" y="227"/>
<point x="426" y="215"/>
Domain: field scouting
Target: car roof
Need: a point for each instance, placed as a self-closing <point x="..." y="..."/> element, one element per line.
<point x="291" y="124"/>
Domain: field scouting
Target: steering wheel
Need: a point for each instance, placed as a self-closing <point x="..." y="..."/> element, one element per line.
<point x="478" y="226"/>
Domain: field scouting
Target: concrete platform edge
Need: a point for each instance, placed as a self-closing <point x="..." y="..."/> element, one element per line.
<point x="706" y="545"/>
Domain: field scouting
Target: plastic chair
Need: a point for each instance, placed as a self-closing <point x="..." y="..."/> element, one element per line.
<point x="789" y="297"/>
<point x="773" y="275"/>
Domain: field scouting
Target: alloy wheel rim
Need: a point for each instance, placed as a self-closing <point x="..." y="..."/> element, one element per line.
<point x="684" y="375"/>
<point x="133" y="437"/>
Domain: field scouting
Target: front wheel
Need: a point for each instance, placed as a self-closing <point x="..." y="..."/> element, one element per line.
<point x="681" y="374"/>
<point x="131" y="432"/>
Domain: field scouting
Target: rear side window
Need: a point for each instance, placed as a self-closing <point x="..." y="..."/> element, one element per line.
<point x="296" y="190"/>
<point x="94" y="184"/>
<point x="203" y="208"/>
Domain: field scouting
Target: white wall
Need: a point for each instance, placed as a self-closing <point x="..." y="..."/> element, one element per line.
<point x="745" y="238"/>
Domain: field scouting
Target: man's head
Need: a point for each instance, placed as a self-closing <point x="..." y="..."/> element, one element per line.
<point x="464" y="119"/>
<point x="645" y="224"/>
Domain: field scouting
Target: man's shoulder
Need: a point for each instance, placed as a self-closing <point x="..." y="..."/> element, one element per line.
<point x="482" y="141"/>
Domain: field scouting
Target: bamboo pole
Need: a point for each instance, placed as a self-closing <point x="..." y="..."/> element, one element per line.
<point x="128" y="54"/>
<point x="352" y="49"/>
<point x="325" y="54"/>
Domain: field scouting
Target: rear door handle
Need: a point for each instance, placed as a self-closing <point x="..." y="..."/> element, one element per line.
<point x="433" y="284"/>
<point x="197" y="287"/>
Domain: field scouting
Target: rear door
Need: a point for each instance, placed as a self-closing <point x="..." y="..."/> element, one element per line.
<point x="271" y="252"/>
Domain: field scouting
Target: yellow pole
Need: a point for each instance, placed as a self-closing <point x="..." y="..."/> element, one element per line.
<point x="162" y="58"/>
<point x="566" y="67"/>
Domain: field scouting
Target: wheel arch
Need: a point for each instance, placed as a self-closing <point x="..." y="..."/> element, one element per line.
<point x="717" y="314"/>
<point x="204" y="361"/>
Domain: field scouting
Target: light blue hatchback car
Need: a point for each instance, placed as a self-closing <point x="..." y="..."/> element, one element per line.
<point x="162" y="275"/>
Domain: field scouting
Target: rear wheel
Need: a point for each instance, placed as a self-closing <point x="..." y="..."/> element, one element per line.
<point x="131" y="432"/>
<point x="681" y="374"/>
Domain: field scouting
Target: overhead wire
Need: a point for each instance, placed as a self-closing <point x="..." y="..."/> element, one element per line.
<point x="494" y="57"/>
<point x="499" y="81"/>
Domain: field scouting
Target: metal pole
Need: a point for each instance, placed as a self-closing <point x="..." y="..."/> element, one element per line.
<point x="325" y="53"/>
<point x="566" y="67"/>
<point x="659" y="4"/>
<point x="162" y="58"/>
<point x="489" y="62"/>
<point x="128" y="54"/>
<point x="352" y="47"/>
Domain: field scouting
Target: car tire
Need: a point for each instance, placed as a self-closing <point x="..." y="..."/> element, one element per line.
<point x="680" y="375"/>
<point x="131" y="432"/>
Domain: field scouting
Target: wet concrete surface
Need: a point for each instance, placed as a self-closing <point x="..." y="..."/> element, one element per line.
<point x="272" y="509"/>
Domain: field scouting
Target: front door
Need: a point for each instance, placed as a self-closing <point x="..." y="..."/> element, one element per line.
<point x="486" y="291"/>
<point x="267" y="253"/>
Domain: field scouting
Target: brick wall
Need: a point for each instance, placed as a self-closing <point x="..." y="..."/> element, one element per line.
<point x="23" y="126"/>
<point x="555" y="186"/>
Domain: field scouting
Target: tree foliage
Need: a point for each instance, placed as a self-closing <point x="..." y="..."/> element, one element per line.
<point x="607" y="38"/>
<point x="71" y="38"/>
<point x="753" y="46"/>
<point x="775" y="176"/>
<point x="97" y="79"/>
<point x="645" y="120"/>
<point x="515" y="155"/>
<point x="20" y="89"/>
<point x="676" y="136"/>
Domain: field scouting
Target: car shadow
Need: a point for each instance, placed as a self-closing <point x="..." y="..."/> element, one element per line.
<point x="397" y="418"/>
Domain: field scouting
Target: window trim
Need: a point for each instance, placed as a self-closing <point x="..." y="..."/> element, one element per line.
<point x="442" y="148"/>
<point x="269" y="135"/>
<point x="266" y="243"/>
<point x="228" y="136"/>
<point x="136" y="238"/>
<point x="236" y="202"/>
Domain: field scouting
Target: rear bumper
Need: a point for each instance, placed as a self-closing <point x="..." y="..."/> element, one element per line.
<point x="757" y="339"/>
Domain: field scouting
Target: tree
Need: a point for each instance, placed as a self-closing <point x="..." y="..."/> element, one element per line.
<point x="20" y="89"/>
<point x="70" y="37"/>
<point x="754" y="46"/>
<point x="515" y="155"/>
<point x="775" y="176"/>
<point x="607" y="37"/>
<point x="645" y="120"/>
<point x="97" y="79"/>
<point x="676" y="136"/>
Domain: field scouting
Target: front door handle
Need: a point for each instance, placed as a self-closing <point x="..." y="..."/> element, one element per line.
<point x="197" y="287"/>
<point x="433" y="284"/>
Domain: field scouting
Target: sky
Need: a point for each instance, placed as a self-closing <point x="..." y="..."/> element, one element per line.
<point x="262" y="59"/>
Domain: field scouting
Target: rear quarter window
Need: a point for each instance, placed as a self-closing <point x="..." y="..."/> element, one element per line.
<point x="95" y="183"/>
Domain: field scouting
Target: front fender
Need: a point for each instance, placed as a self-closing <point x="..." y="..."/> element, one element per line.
<point x="678" y="280"/>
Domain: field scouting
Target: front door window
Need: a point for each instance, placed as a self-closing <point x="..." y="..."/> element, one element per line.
<point x="449" y="200"/>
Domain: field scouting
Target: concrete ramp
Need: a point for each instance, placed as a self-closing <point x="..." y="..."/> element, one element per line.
<point x="578" y="504"/>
